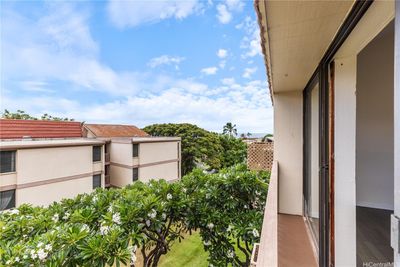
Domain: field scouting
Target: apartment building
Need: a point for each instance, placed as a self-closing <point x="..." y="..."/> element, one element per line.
<point x="136" y="156"/>
<point x="46" y="161"/>
<point x="333" y="69"/>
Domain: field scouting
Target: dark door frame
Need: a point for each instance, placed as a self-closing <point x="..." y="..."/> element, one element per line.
<point x="322" y="74"/>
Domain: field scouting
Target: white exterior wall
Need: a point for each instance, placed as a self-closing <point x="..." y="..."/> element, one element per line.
<point x="345" y="154"/>
<point x="159" y="151"/>
<point x="374" y="141"/>
<point x="166" y="171"/>
<point x="288" y="150"/>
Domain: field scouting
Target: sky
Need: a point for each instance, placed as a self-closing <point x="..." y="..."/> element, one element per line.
<point x="136" y="62"/>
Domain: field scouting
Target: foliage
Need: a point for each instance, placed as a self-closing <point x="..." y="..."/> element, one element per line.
<point x="228" y="209"/>
<point x="230" y="129"/>
<point x="107" y="226"/>
<point x="234" y="151"/>
<point x="198" y="145"/>
<point x="21" y="115"/>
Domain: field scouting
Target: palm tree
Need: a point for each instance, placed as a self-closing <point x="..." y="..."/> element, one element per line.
<point x="230" y="129"/>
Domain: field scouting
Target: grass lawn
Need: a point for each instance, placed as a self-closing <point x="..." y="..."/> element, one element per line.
<point x="188" y="253"/>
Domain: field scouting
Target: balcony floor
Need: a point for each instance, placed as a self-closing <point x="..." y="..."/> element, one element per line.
<point x="294" y="245"/>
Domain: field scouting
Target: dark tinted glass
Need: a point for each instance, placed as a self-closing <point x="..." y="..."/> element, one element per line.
<point x="96" y="181"/>
<point x="7" y="199"/>
<point x="96" y="153"/>
<point x="7" y="161"/>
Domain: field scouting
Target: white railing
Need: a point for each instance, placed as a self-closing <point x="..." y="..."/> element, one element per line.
<point x="266" y="253"/>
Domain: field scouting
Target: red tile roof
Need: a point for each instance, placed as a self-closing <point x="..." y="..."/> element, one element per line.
<point x="110" y="130"/>
<point x="16" y="129"/>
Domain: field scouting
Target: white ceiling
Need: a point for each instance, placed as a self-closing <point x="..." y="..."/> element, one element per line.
<point x="299" y="33"/>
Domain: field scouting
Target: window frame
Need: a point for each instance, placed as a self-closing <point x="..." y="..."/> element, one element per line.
<point x="13" y="199"/>
<point x="13" y="161"/>
<point x="135" y="171"/>
<point x="93" y="181"/>
<point x="94" y="158"/>
<point x="135" y="150"/>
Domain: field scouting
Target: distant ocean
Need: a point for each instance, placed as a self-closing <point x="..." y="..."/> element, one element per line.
<point x="255" y="135"/>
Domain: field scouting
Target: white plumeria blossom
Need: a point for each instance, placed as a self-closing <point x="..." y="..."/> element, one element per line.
<point x="33" y="254"/>
<point x="8" y="262"/>
<point x="55" y="217"/>
<point x="25" y="257"/>
<point x="116" y="218"/>
<point x="85" y="227"/>
<point x="48" y="247"/>
<point x="164" y="216"/>
<point x="16" y="259"/>
<point x="184" y="190"/>
<point x="148" y="223"/>
<point x="110" y="209"/>
<point x="104" y="229"/>
<point x="40" y="244"/>
<point x="229" y="228"/>
<point x="255" y="233"/>
<point x="210" y="226"/>
<point x="152" y="214"/>
<point x="230" y="254"/>
<point x="207" y="243"/>
<point x="66" y="216"/>
<point x="169" y="196"/>
<point x="42" y="254"/>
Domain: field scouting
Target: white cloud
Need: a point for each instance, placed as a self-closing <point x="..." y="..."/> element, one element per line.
<point x="236" y="5"/>
<point x="248" y="72"/>
<point x="210" y="70"/>
<point x="244" y="104"/>
<point x="165" y="60"/>
<point x="222" y="64"/>
<point x="35" y="86"/>
<point x="251" y="41"/>
<point x="222" y="53"/>
<point x="224" y="16"/>
<point x="133" y="13"/>
<point x="228" y="81"/>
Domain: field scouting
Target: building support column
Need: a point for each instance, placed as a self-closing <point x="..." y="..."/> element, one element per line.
<point x="395" y="219"/>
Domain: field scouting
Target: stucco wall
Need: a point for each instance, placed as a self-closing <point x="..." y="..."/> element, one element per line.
<point x="374" y="143"/>
<point x="168" y="171"/>
<point x="48" y="163"/>
<point x="160" y="151"/>
<point x="288" y="132"/>
<point x="121" y="153"/>
<point x="46" y="194"/>
<point x="120" y="176"/>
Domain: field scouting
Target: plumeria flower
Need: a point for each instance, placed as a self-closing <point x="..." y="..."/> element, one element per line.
<point x="164" y="216"/>
<point x="8" y="262"/>
<point x="207" y="243"/>
<point x="255" y="233"/>
<point x="148" y="223"/>
<point x="41" y="254"/>
<point x="66" y="216"/>
<point x="55" y="217"/>
<point x="210" y="226"/>
<point x="169" y="196"/>
<point x="33" y="254"/>
<point x="104" y="229"/>
<point x="229" y="228"/>
<point x="25" y="257"/>
<point x="152" y="214"/>
<point x="110" y="209"/>
<point x="230" y="254"/>
<point x="116" y="218"/>
<point x="184" y="190"/>
<point x="48" y="247"/>
<point x="40" y="244"/>
<point x="85" y="227"/>
<point x="16" y="259"/>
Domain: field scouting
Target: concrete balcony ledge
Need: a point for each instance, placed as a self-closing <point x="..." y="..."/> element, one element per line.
<point x="284" y="238"/>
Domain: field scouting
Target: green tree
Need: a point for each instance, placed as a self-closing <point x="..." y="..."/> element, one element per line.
<point x="198" y="145"/>
<point x="234" y="151"/>
<point x="230" y="129"/>
<point x="22" y="115"/>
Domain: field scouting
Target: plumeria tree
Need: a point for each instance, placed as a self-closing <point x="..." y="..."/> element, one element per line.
<point x="111" y="227"/>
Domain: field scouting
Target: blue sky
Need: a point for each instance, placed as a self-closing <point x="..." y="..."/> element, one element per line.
<point x="136" y="62"/>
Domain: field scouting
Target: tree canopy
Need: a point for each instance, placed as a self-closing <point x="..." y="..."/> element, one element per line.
<point x="230" y="129"/>
<point x="110" y="227"/>
<point x="22" y="115"/>
<point x="198" y="145"/>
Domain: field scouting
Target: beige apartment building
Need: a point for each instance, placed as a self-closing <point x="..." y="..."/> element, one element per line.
<point x="46" y="161"/>
<point x="38" y="167"/>
<point x="134" y="155"/>
<point x="333" y="70"/>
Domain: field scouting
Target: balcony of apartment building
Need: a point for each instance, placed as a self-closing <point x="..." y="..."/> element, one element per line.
<point x="285" y="239"/>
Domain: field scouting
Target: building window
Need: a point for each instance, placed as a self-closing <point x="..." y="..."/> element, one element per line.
<point x="96" y="181"/>
<point x="7" y="199"/>
<point x="135" y="174"/>
<point x="96" y="153"/>
<point x="135" y="150"/>
<point x="7" y="161"/>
